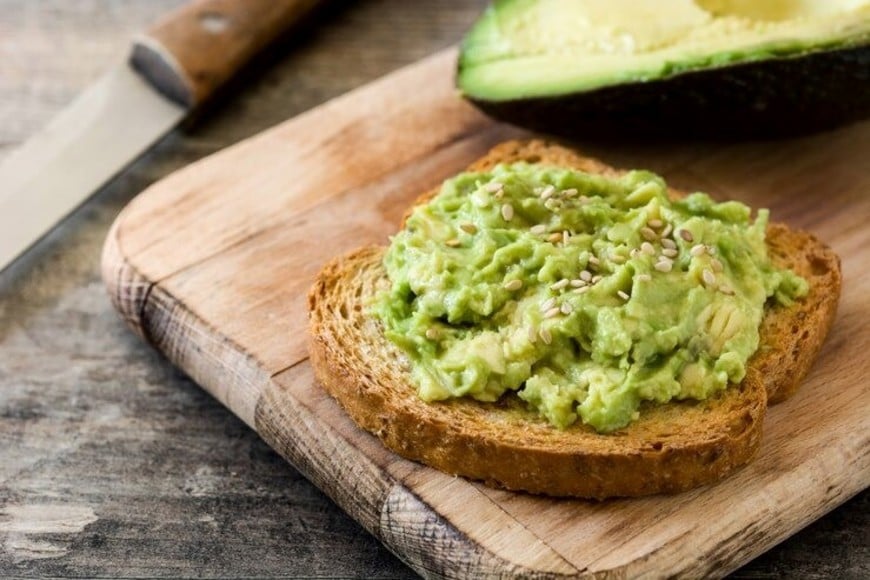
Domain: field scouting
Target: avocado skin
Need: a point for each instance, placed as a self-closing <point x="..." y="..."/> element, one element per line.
<point x="773" y="98"/>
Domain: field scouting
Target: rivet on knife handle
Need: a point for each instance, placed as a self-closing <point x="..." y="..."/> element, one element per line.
<point x="193" y="51"/>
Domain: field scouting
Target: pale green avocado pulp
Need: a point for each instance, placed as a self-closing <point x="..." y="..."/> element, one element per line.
<point x="531" y="48"/>
<point x="585" y="294"/>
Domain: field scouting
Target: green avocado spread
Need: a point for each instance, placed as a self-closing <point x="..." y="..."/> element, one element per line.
<point x="585" y="294"/>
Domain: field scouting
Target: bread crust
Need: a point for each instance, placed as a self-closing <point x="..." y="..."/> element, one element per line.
<point x="670" y="448"/>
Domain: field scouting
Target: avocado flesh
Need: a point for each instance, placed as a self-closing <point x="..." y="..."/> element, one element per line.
<point x="706" y="67"/>
<point x="528" y="48"/>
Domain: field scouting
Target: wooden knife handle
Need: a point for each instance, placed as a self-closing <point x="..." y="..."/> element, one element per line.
<point x="194" y="50"/>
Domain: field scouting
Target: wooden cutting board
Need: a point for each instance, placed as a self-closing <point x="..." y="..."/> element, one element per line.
<point x="212" y="265"/>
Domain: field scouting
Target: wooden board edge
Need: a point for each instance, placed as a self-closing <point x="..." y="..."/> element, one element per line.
<point x="743" y="545"/>
<point x="213" y="361"/>
<point x="364" y="486"/>
<point x="128" y="289"/>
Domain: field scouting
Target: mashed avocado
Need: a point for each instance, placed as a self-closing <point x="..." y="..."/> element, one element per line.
<point x="585" y="294"/>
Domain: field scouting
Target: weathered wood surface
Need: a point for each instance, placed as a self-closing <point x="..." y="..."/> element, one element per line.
<point x="93" y="424"/>
<point x="212" y="264"/>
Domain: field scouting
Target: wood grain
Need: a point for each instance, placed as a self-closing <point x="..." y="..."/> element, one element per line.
<point x="255" y="222"/>
<point x="195" y="50"/>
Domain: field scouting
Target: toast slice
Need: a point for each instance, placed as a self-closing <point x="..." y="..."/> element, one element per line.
<point x="670" y="448"/>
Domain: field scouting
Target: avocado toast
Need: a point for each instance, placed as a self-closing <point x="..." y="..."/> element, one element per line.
<point x="670" y="447"/>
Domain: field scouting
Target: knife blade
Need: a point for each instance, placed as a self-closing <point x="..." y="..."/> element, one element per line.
<point x="173" y="68"/>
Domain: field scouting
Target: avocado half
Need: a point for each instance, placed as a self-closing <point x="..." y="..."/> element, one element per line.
<point x="670" y="68"/>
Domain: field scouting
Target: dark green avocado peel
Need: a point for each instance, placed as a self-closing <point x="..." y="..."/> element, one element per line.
<point x="676" y="68"/>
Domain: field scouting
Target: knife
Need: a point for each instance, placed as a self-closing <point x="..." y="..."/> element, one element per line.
<point x="173" y="68"/>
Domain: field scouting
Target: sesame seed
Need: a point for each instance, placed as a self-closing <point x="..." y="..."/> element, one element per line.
<point x="507" y="212"/>
<point x="643" y="278"/>
<point x="538" y="229"/>
<point x="498" y="194"/>
<point x="654" y="223"/>
<point x="711" y="250"/>
<point x="664" y="265"/>
<point x="647" y="248"/>
<point x="594" y="261"/>
<point x="725" y="289"/>
<point x="560" y="284"/>
<point x="432" y="333"/>
<point x="468" y="228"/>
<point x="670" y="252"/>
<point x="569" y="192"/>
<point x="533" y="334"/>
<point x="452" y="243"/>
<point x="566" y="308"/>
<point x="698" y="250"/>
<point x="480" y="199"/>
<point x="548" y="192"/>
<point x="578" y="283"/>
<point x="565" y="236"/>
<point x="584" y="199"/>
<point x="717" y="265"/>
<point x="667" y="231"/>
<point x="513" y="285"/>
<point x="582" y="290"/>
<point x="648" y="234"/>
<point x="687" y="235"/>
<point x="545" y="336"/>
<point x="668" y="243"/>
<point x="554" y="238"/>
<point x="622" y="295"/>
<point x="553" y="205"/>
<point x="493" y="187"/>
<point x="547" y="304"/>
<point x="586" y="275"/>
<point x="554" y="311"/>
<point x="595" y="279"/>
<point x="708" y="277"/>
<point x="634" y="253"/>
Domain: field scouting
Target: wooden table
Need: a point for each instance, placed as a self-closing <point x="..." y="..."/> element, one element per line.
<point x="112" y="463"/>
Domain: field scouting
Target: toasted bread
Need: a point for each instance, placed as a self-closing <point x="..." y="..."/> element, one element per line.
<point x="670" y="448"/>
